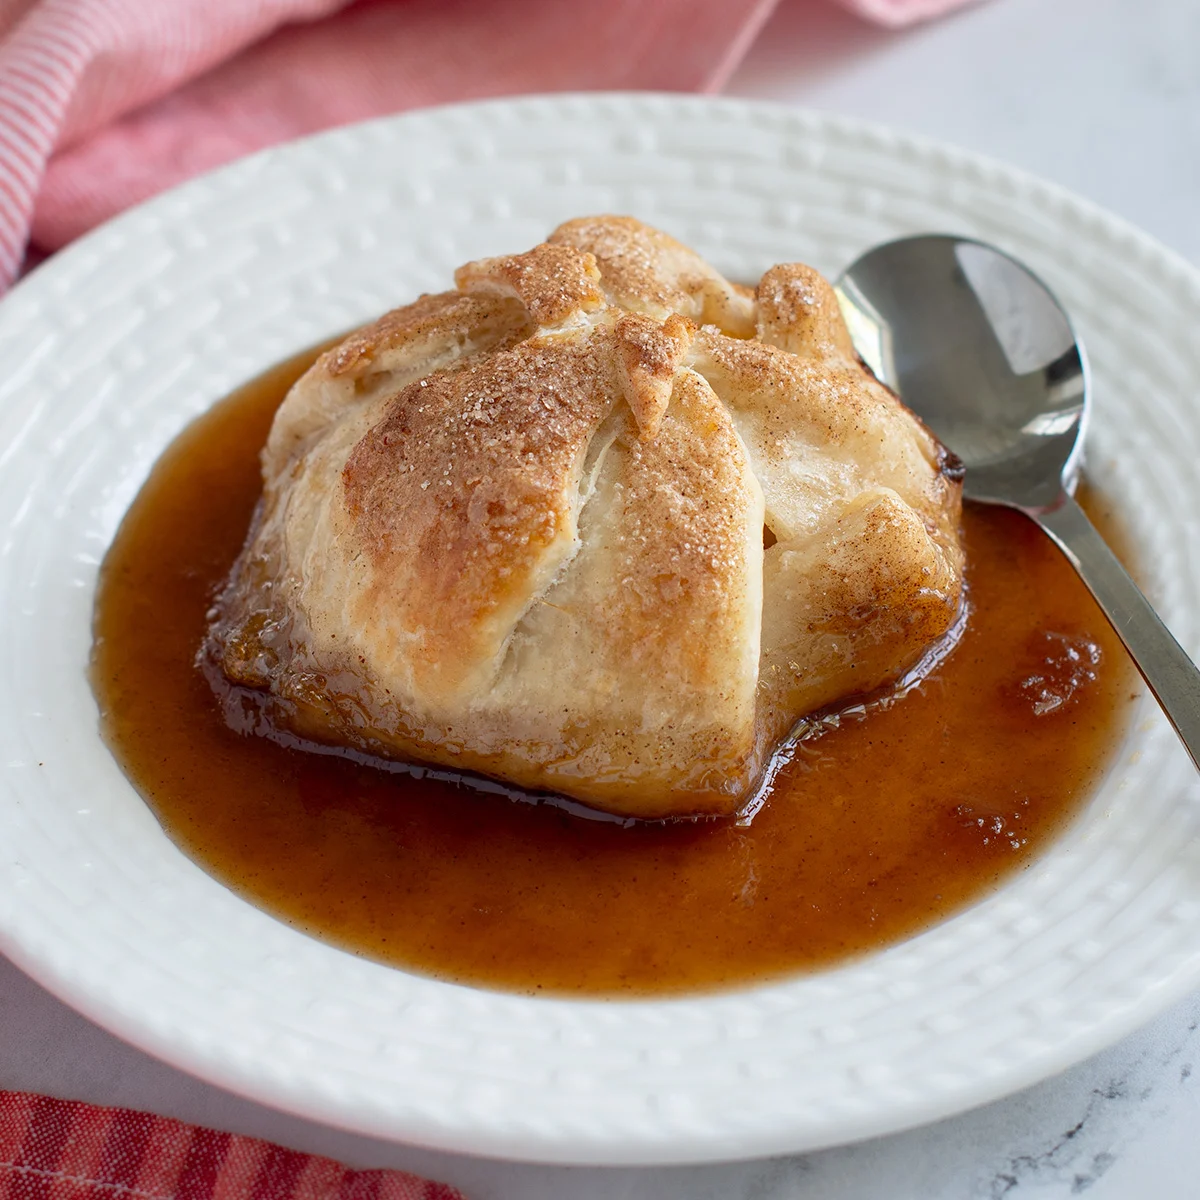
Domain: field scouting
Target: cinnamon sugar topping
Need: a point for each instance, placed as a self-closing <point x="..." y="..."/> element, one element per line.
<point x="553" y="282"/>
<point x="648" y="356"/>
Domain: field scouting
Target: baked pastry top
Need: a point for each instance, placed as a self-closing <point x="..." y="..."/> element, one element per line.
<point x="598" y="522"/>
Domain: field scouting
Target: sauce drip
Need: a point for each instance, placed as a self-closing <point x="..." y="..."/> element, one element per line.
<point x="884" y="824"/>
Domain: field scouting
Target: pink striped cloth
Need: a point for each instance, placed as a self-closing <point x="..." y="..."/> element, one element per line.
<point x="106" y="102"/>
<point x="64" y="1150"/>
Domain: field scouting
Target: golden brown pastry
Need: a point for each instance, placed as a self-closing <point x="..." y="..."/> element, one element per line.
<point x="519" y="528"/>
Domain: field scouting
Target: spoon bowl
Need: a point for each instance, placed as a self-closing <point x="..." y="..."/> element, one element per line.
<point x="978" y="347"/>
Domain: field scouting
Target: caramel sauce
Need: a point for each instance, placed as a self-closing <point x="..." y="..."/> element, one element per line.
<point x="884" y="824"/>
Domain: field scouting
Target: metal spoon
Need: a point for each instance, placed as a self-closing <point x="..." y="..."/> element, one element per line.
<point x="980" y="349"/>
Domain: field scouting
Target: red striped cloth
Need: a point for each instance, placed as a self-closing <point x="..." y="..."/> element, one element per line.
<point x="65" y="1150"/>
<point x="132" y="96"/>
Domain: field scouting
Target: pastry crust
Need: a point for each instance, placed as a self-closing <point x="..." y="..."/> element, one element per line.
<point x="519" y="528"/>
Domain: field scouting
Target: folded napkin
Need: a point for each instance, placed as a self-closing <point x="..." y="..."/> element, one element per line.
<point x="64" y="1150"/>
<point x="106" y="102"/>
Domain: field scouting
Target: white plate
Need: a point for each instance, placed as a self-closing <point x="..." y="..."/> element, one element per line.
<point x="113" y="345"/>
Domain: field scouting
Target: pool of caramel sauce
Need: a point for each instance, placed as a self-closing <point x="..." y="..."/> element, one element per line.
<point x="876" y="829"/>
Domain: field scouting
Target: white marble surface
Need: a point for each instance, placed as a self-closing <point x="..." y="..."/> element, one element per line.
<point x="1102" y="96"/>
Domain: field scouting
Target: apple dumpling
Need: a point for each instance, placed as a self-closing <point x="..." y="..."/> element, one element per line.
<point x="597" y="522"/>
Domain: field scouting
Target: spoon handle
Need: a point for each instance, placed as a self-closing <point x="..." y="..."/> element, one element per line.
<point x="1167" y="670"/>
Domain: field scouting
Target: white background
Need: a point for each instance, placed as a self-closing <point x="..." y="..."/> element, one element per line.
<point x="1102" y="96"/>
